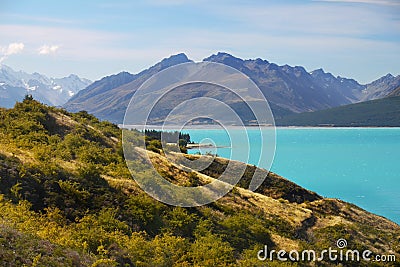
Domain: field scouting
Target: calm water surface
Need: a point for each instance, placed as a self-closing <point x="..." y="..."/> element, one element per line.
<point x="358" y="165"/>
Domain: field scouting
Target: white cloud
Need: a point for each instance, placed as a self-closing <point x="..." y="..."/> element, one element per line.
<point x="48" y="49"/>
<point x="13" y="48"/>
<point x="77" y="44"/>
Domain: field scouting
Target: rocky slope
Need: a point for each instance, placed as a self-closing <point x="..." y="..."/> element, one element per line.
<point x="381" y="87"/>
<point x="395" y="92"/>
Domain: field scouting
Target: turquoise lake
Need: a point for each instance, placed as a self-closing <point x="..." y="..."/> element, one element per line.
<point x="357" y="165"/>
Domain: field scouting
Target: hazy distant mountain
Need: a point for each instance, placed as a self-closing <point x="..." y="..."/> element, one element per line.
<point x="350" y="89"/>
<point x="292" y="88"/>
<point x="109" y="97"/>
<point x="381" y="87"/>
<point x="288" y="89"/>
<point x="96" y="89"/>
<point x="14" y="85"/>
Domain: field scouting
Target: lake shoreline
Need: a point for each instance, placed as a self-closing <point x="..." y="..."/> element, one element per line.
<point x="214" y="127"/>
<point x="198" y="146"/>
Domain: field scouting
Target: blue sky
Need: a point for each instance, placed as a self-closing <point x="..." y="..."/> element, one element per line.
<point x="352" y="38"/>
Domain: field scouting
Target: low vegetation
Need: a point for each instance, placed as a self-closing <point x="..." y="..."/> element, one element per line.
<point x="68" y="199"/>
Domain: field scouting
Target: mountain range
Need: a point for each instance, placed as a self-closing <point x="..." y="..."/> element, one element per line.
<point x="108" y="98"/>
<point x="288" y="89"/>
<point x="14" y="85"/>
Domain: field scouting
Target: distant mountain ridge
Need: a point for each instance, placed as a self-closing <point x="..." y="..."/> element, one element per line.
<point x="381" y="87"/>
<point x="14" y="85"/>
<point x="288" y="89"/>
<point x="292" y="88"/>
<point x="109" y="97"/>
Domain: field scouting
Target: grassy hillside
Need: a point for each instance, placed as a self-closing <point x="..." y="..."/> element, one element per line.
<point x="67" y="199"/>
<point x="381" y="112"/>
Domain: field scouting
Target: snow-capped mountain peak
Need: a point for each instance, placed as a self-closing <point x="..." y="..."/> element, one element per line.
<point x="52" y="91"/>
